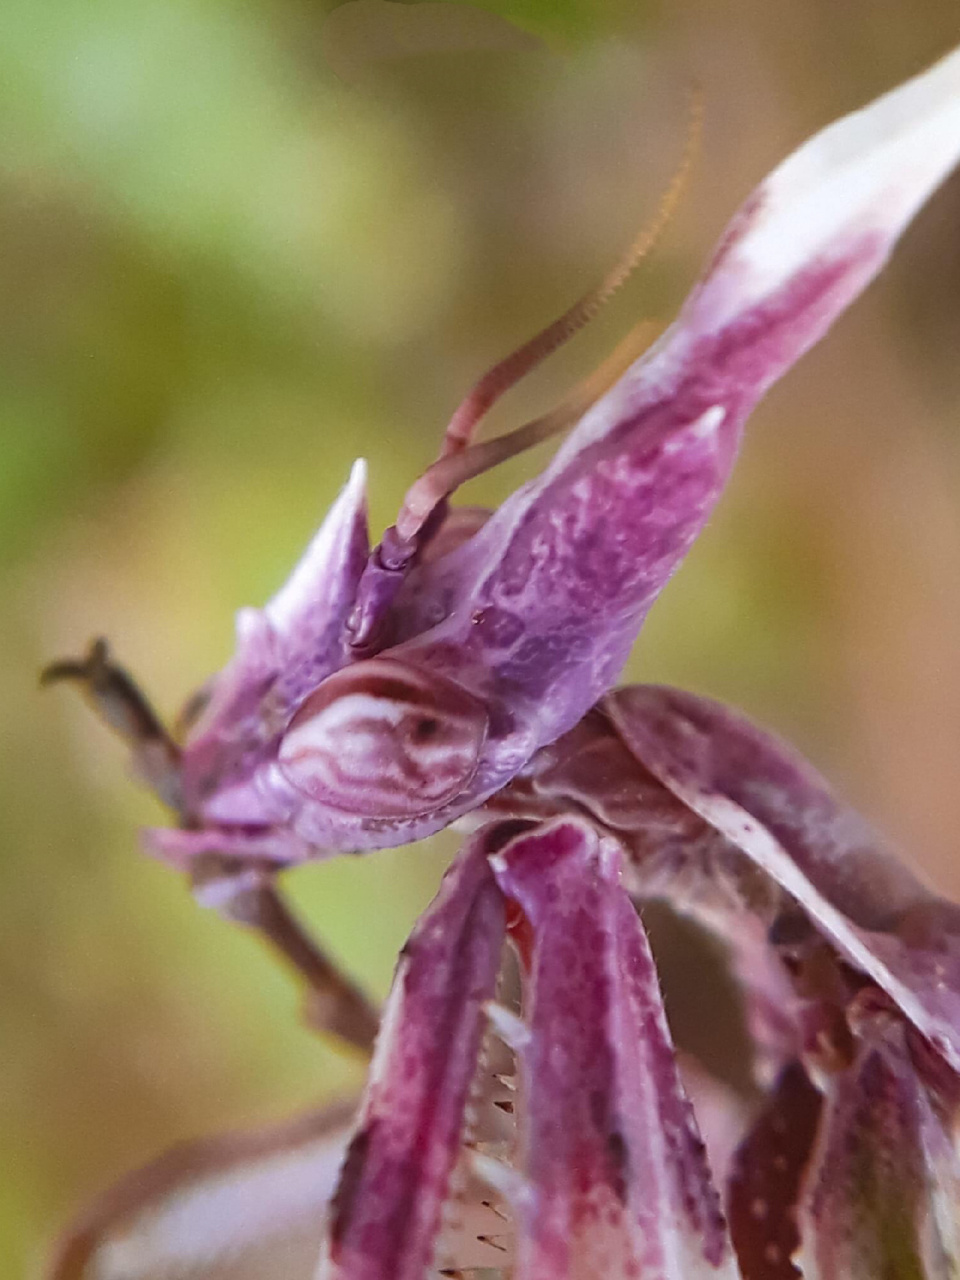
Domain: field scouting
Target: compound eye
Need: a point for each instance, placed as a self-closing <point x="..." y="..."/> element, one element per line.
<point x="383" y="740"/>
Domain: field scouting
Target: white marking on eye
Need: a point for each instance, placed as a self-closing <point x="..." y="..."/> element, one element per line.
<point x="356" y="712"/>
<point x="384" y="754"/>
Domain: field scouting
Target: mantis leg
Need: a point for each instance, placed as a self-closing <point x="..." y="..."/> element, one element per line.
<point x="334" y="1004"/>
<point x="119" y="702"/>
<point x="245" y="892"/>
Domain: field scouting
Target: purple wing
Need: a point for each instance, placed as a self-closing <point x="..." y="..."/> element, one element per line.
<point x="769" y="803"/>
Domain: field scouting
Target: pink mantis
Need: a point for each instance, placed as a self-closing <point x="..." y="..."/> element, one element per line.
<point x="525" y="1111"/>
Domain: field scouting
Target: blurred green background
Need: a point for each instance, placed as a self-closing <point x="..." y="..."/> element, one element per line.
<point x="242" y="243"/>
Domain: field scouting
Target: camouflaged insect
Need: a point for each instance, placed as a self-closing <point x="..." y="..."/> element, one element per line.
<point x="526" y="1114"/>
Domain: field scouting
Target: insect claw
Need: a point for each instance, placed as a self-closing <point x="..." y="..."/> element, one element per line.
<point x="248" y="896"/>
<point x="72" y="668"/>
<point x="123" y="707"/>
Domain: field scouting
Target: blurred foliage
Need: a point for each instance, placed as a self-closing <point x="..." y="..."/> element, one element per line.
<point x="240" y="246"/>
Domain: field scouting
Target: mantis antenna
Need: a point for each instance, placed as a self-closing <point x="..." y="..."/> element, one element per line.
<point x="453" y="469"/>
<point x="457" y="461"/>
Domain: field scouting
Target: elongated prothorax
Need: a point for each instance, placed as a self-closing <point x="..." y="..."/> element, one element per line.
<point x="543" y="604"/>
